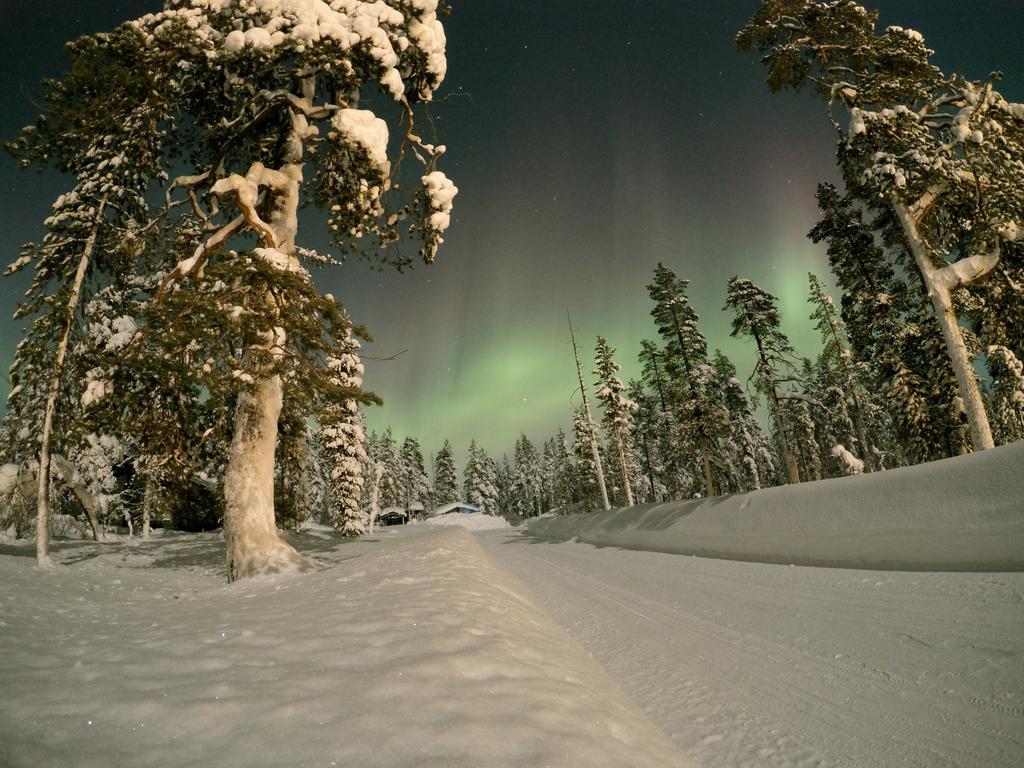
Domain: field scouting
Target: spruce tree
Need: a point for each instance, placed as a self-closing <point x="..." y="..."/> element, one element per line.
<point x="344" y="440"/>
<point x="480" y="480"/>
<point x="617" y="418"/>
<point x="446" y="477"/>
<point x="413" y="481"/>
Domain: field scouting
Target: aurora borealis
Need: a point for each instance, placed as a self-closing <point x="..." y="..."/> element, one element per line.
<point x="589" y="140"/>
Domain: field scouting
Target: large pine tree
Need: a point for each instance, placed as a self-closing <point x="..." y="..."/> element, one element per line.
<point x="937" y="157"/>
<point x="263" y="99"/>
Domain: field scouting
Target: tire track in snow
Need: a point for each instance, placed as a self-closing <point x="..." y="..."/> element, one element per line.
<point x="748" y="664"/>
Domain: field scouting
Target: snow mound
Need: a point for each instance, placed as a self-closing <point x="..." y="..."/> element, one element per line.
<point x="408" y="649"/>
<point x="965" y="513"/>
<point x="476" y="521"/>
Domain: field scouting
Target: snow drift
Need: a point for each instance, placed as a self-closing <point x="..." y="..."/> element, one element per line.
<point x="964" y="513"/>
<point x="409" y="649"/>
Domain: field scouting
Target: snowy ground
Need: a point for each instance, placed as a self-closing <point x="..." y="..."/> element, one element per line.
<point x="770" y="666"/>
<point x="407" y="648"/>
<point x="476" y="521"/>
<point x="965" y="513"/>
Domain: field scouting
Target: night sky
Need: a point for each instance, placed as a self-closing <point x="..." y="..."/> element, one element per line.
<point x="589" y="140"/>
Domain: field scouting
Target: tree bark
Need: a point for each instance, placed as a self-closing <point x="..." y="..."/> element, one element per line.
<point x="250" y="529"/>
<point x="942" y="304"/>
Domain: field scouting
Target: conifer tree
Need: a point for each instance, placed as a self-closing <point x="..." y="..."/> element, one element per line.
<point x="262" y="98"/>
<point x="618" y="408"/>
<point x="480" y="480"/>
<point x="413" y="481"/>
<point x="837" y="364"/>
<point x="525" y="490"/>
<point x="1007" y="394"/>
<point x="686" y="364"/>
<point x="646" y="438"/>
<point x="98" y="128"/>
<point x="446" y="477"/>
<point x="751" y="454"/>
<point x="758" y="317"/>
<point x="936" y="156"/>
<point x="344" y="440"/>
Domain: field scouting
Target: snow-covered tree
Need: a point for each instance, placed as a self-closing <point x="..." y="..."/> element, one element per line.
<point x="692" y="392"/>
<point x="414" y="485"/>
<point x="344" y="440"/>
<point x="837" y="363"/>
<point x="525" y="492"/>
<point x="1007" y="394"/>
<point x="446" y="476"/>
<point x="938" y="157"/>
<point x="291" y="497"/>
<point x="618" y="409"/>
<point x="286" y="126"/>
<point x="646" y="439"/>
<point x="750" y="453"/>
<point x="757" y="316"/>
<point x="263" y="99"/>
<point x="381" y="449"/>
<point x="480" y="480"/>
<point x="98" y="128"/>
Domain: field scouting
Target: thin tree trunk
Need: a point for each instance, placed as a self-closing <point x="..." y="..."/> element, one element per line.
<point x="709" y="487"/>
<point x="787" y="452"/>
<point x="942" y="304"/>
<point x="650" y="471"/>
<point x="378" y="470"/>
<point x="43" y="488"/>
<point x="147" y="504"/>
<point x="598" y="469"/>
<point x="627" y="486"/>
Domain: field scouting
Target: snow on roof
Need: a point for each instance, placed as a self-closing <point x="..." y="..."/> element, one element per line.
<point x="452" y="507"/>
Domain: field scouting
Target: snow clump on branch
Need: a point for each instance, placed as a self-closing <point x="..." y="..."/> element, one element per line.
<point x="226" y="28"/>
<point x="364" y="128"/>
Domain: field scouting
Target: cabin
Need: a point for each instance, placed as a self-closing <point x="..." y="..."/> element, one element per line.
<point x="392" y="516"/>
<point x="455" y="508"/>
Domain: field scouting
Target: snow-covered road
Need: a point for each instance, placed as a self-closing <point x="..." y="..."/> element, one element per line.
<point x="747" y="664"/>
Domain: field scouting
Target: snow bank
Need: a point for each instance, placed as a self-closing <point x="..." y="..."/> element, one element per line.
<point x="965" y="513"/>
<point x="476" y="521"/>
<point x="405" y="649"/>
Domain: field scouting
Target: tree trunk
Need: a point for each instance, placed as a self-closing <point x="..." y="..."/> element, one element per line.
<point x="147" y="504"/>
<point x="378" y="471"/>
<point x="250" y="527"/>
<point x="250" y="530"/>
<point x="709" y="487"/>
<point x="942" y="304"/>
<point x="787" y="452"/>
<point x="598" y="469"/>
<point x="43" y="488"/>
<point x="627" y="486"/>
